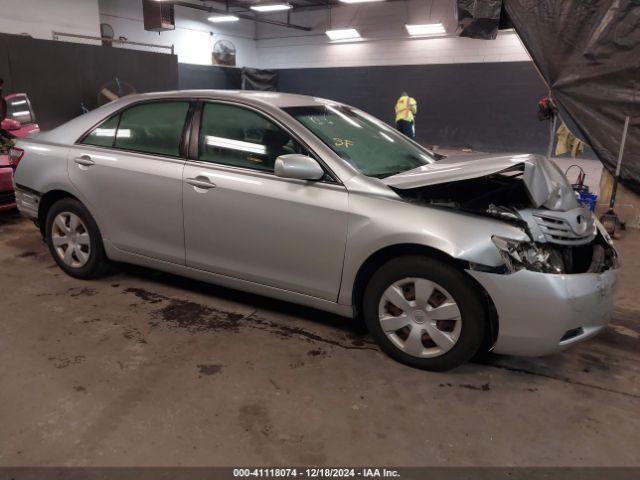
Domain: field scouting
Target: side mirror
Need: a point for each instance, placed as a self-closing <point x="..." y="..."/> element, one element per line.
<point x="298" y="166"/>
<point x="10" y="124"/>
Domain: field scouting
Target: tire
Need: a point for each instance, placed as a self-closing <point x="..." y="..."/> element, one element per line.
<point x="69" y="220"/>
<point x="453" y="313"/>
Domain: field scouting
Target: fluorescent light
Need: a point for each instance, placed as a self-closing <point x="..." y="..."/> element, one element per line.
<point x="426" y="29"/>
<point x="386" y="137"/>
<point x="343" y="34"/>
<point x="110" y="132"/>
<point x="19" y="102"/>
<point x="274" y="7"/>
<point x="223" y="18"/>
<point x="21" y="113"/>
<point x="235" y="145"/>
<point x="104" y="132"/>
<point x="360" y="1"/>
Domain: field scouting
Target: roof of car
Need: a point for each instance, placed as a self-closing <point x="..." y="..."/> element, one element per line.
<point x="68" y="133"/>
<point x="277" y="99"/>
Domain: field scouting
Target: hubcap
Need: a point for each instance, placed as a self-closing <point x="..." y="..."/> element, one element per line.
<point x="70" y="239"/>
<point x="420" y="317"/>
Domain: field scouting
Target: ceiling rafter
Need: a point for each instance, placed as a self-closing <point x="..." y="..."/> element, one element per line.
<point x="241" y="8"/>
<point x="245" y="16"/>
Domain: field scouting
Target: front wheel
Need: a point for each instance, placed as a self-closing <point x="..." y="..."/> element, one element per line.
<point x="74" y="240"/>
<point x="424" y="313"/>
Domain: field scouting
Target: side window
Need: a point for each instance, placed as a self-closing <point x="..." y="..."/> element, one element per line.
<point x="240" y="137"/>
<point x="152" y="128"/>
<point x="104" y="134"/>
<point x="18" y="108"/>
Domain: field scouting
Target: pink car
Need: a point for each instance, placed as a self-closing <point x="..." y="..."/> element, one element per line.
<point x="20" y="122"/>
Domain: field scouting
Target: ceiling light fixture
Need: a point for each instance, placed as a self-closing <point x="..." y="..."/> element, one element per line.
<point x="274" y="7"/>
<point x="223" y="18"/>
<point x="426" y="29"/>
<point x="343" y="34"/>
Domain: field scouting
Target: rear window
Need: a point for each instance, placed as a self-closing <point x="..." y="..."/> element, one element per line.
<point x="104" y="134"/>
<point x="154" y="128"/>
<point x="19" y="108"/>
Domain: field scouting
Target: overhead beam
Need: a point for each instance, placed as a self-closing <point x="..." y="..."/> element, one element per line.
<point x="244" y="16"/>
<point x="326" y="4"/>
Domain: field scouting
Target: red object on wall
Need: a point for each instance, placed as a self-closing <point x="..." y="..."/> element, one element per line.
<point x="158" y="16"/>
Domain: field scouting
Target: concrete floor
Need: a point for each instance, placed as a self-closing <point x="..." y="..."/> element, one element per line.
<point x="144" y="368"/>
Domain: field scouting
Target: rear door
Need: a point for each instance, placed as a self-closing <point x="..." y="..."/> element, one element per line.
<point x="242" y="221"/>
<point x="129" y="171"/>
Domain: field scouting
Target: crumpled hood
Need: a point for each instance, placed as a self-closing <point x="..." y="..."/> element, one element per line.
<point x="545" y="182"/>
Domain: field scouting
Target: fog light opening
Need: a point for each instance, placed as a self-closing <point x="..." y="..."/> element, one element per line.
<point x="573" y="333"/>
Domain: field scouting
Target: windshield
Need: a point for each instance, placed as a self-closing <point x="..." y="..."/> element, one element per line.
<point x="368" y="144"/>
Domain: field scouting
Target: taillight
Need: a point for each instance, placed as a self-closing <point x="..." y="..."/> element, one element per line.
<point x="15" y="155"/>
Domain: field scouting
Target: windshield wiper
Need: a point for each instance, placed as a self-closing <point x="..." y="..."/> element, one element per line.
<point x="385" y="174"/>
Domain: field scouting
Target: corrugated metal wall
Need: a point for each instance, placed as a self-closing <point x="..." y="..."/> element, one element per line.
<point x="59" y="76"/>
<point x="488" y="106"/>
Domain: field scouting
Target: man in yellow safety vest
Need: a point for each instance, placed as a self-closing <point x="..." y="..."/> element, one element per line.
<point x="406" y="108"/>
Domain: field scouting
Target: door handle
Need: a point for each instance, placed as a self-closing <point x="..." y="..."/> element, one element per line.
<point x="201" y="183"/>
<point x="84" y="160"/>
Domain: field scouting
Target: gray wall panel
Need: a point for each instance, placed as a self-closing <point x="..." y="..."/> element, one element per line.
<point x="489" y="106"/>
<point x="208" y="77"/>
<point x="59" y="76"/>
<point x="5" y="68"/>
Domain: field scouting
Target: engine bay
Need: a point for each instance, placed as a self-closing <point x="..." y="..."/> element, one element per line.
<point x="563" y="242"/>
<point x="478" y="195"/>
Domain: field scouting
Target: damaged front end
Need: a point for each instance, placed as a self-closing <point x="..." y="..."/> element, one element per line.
<point x="525" y="190"/>
<point x="594" y="257"/>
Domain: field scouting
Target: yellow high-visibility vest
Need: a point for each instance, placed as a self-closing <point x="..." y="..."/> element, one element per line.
<point x="406" y="108"/>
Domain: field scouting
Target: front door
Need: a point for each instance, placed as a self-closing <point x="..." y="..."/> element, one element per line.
<point x="242" y="221"/>
<point x="129" y="171"/>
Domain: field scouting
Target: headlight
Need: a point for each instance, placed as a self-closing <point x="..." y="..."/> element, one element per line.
<point x="603" y="232"/>
<point x="530" y="256"/>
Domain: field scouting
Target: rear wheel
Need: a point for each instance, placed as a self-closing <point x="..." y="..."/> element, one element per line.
<point x="424" y="313"/>
<point x="74" y="240"/>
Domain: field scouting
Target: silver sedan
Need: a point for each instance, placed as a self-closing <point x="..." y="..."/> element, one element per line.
<point x="316" y="202"/>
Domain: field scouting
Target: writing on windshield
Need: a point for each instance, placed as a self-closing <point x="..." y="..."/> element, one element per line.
<point x="366" y="143"/>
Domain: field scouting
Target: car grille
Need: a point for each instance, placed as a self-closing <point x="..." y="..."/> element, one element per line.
<point x="7" y="197"/>
<point x="558" y="230"/>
